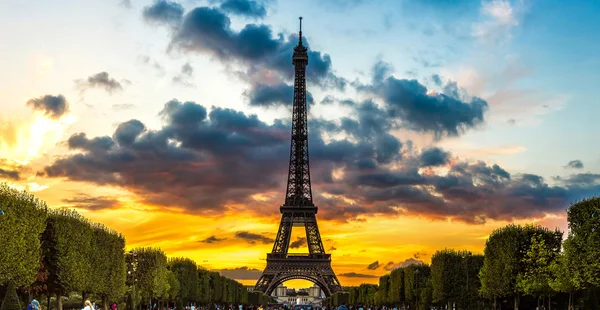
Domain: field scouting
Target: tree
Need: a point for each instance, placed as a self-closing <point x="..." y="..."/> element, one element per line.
<point x="504" y="253"/>
<point x="11" y="300"/>
<point x="171" y="295"/>
<point x="20" y="229"/>
<point x="382" y="292"/>
<point x="416" y="278"/>
<point x="447" y="277"/>
<point x="151" y="273"/>
<point x="472" y="264"/>
<point x="396" y="294"/>
<point x="66" y="247"/>
<point x="186" y="272"/>
<point x="535" y="279"/>
<point x="204" y="289"/>
<point x="582" y="247"/>
<point x="108" y="280"/>
<point x="561" y="280"/>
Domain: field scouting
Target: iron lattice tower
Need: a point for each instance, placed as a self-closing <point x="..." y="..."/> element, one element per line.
<point x="298" y="209"/>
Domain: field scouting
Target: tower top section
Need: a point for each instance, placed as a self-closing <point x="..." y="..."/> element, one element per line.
<point x="300" y="57"/>
<point x="300" y="33"/>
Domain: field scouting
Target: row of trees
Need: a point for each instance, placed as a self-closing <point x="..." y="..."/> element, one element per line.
<point x="522" y="266"/>
<point x="178" y="281"/>
<point x="59" y="252"/>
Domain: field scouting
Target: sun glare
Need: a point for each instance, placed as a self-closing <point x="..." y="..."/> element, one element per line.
<point x="31" y="139"/>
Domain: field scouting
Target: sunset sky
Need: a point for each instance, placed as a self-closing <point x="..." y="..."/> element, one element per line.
<point x="431" y="122"/>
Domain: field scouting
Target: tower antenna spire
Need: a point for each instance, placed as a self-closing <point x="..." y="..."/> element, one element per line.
<point x="300" y="34"/>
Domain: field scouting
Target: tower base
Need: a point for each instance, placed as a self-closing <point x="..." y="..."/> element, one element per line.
<point x="315" y="268"/>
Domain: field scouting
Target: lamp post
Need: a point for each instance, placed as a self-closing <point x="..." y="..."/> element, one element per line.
<point x="131" y="273"/>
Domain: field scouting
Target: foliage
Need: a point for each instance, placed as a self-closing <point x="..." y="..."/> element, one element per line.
<point x="535" y="279"/>
<point x="174" y="286"/>
<point x="505" y="263"/>
<point x="447" y="275"/>
<point x="204" y="289"/>
<point x="582" y="247"/>
<point x="561" y="280"/>
<point x="416" y="279"/>
<point x="108" y="278"/>
<point x="396" y="293"/>
<point x="383" y="290"/>
<point x="20" y="229"/>
<point x="186" y="272"/>
<point x="151" y="273"/>
<point x="11" y="300"/>
<point x="66" y="247"/>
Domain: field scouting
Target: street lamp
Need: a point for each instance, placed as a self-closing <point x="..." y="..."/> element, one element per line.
<point x="131" y="273"/>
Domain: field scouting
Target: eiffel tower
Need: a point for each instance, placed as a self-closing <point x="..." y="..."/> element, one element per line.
<point x="298" y="209"/>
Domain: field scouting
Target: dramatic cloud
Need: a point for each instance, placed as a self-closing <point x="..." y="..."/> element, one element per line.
<point x="357" y="275"/>
<point x="241" y="273"/>
<point x="575" y="164"/>
<point x="213" y="239"/>
<point x="252" y="237"/>
<point x="208" y="30"/>
<point x="445" y="114"/>
<point x="300" y="242"/>
<point x="163" y="12"/>
<point x="434" y="157"/>
<point x="248" y="8"/>
<point x="274" y="95"/>
<point x="374" y="265"/>
<point x="100" y="80"/>
<point x="92" y="203"/>
<point x="210" y="161"/>
<point x="52" y="106"/>
<point x="10" y="174"/>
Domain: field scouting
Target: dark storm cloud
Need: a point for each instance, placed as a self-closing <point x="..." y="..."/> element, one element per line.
<point x="100" y="80"/>
<point x="274" y="95"/>
<point x="374" y="265"/>
<point x="213" y="239"/>
<point x="163" y="12"/>
<point x="446" y="114"/>
<point x="10" y="174"/>
<point x="300" y="242"/>
<point x="434" y="157"/>
<point x="208" y="160"/>
<point x="357" y="275"/>
<point x="52" y="106"/>
<point x="575" y="164"/>
<point x="241" y="273"/>
<point x="251" y="237"/>
<point x="93" y="203"/>
<point x="208" y="30"/>
<point x="248" y="8"/>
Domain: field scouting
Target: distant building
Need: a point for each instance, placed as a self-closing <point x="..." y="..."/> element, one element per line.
<point x="303" y="296"/>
